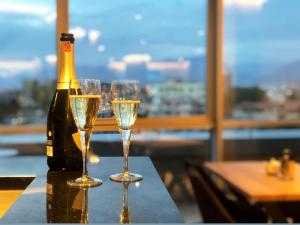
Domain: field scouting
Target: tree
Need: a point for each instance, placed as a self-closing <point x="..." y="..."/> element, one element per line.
<point x="249" y="94"/>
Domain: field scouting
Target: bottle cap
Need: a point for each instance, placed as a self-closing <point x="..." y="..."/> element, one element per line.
<point x="67" y="37"/>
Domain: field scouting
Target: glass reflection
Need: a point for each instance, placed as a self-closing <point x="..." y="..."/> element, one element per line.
<point x="125" y="212"/>
<point x="64" y="203"/>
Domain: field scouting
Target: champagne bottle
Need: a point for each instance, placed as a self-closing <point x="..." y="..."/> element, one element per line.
<point x="63" y="144"/>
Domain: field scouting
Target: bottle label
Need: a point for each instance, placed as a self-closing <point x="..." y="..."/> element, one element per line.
<point x="67" y="47"/>
<point x="77" y="140"/>
<point x="49" y="189"/>
<point x="49" y="151"/>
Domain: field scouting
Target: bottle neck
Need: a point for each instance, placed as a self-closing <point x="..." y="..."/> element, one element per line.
<point x="66" y="77"/>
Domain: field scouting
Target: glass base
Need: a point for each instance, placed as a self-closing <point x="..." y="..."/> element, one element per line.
<point x="85" y="182"/>
<point x="126" y="177"/>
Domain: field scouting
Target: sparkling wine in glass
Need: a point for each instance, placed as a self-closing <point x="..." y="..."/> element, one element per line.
<point x="125" y="104"/>
<point x="85" y="107"/>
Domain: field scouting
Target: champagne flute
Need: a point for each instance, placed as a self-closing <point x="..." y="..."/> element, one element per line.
<point x="125" y="104"/>
<point x="85" y="107"/>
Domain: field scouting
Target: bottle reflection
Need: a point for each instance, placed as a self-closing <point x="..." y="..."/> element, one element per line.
<point x="64" y="203"/>
<point x="80" y="206"/>
<point x="125" y="213"/>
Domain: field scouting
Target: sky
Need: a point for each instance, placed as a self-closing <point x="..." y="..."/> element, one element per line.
<point x="260" y="41"/>
<point x="162" y="29"/>
<point x="258" y="34"/>
<point x="270" y="32"/>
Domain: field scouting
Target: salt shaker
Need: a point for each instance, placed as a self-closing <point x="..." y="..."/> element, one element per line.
<point x="287" y="165"/>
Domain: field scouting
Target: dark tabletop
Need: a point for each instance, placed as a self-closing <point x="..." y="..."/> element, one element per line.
<point x="49" y="199"/>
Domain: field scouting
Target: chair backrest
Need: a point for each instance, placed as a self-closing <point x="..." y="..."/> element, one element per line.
<point x="207" y="177"/>
<point x="212" y="209"/>
<point x="239" y="211"/>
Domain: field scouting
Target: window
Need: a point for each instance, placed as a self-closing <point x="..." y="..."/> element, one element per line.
<point x="160" y="43"/>
<point x="260" y="143"/>
<point x="27" y="60"/>
<point x="261" y="59"/>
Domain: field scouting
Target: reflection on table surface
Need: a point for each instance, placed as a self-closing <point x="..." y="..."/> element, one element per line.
<point x="49" y="199"/>
<point x="125" y="213"/>
<point x="67" y="204"/>
<point x="64" y="203"/>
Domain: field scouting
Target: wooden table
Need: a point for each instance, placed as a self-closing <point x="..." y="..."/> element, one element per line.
<point x="250" y="179"/>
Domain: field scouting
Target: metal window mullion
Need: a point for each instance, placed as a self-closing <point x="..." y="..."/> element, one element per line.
<point x="62" y="25"/>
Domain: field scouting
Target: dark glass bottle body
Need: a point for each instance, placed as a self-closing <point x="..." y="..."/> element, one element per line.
<point x="63" y="134"/>
<point x="63" y="138"/>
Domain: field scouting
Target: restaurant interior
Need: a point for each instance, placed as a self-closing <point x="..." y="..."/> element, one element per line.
<point x="216" y="137"/>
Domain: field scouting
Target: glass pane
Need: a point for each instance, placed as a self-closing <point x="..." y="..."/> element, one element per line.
<point x="160" y="43"/>
<point x="261" y="59"/>
<point x="27" y="60"/>
<point x="262" y="144"/>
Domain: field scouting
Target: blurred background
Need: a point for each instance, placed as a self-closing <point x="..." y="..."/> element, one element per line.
<point x="164" y="45"/>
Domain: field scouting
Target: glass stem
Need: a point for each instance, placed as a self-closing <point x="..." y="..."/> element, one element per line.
<point x="126" y="142"/>
<point x="85" y="142"/>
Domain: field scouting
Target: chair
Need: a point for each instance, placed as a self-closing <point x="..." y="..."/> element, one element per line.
<point x="290" y="209"/>
<point x="212" y="209"/>
<point x="210" y="196"/>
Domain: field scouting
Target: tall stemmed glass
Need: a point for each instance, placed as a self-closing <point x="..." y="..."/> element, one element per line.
<point x="125" y="103"/>
<point x="85" y="107"/>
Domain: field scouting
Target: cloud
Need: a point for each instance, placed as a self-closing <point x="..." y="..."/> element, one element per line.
<point x="79" y="32"/>
<point x="94" y="36"/>
<point x="245" y="4"/>
<point x="51" y="59"/>
<point x="23" y="9"/>
<point x="101" y="48"/>
<point x="28" y="9"/>
<point x="117" y="66"/>
<point x="200" y="33"/>
<point x="12" y="67"/>
<point x="20" y="64"/>
<point x="136" y="58"/>
<point x="50" y="18"/>
<point x="200" y="51"/>
<point x="138" y="17"/>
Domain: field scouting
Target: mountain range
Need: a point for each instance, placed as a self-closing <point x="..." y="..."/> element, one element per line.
<point x="243" y="75"/>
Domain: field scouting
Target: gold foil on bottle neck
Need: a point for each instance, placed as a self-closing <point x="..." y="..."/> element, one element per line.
<point x="67" y="85"/>
<point x="66" y="67"/>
